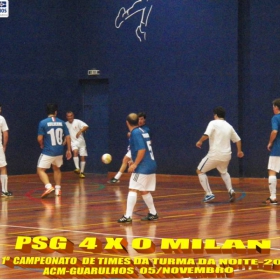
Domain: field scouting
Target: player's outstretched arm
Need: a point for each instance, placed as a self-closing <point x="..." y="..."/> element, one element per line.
<point x="140" y="156"/>
<point x="5" y="139"/>
<point x="240" y="154"/>
<point x="68" y="152"/>
<point x="201" y="140"/>
<point x="272" y="137"/>
<point x="84" y="129"/>
<point x="40" y="139"/>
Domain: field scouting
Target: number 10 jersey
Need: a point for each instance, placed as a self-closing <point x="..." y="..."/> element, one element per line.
<point x="53" y="130"/>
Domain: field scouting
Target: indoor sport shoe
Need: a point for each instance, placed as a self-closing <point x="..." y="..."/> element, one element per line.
<point x="270" y="201"/>
<point x="57" y="192"/>
<point x="77" y="171"/>
<point x="150" y="217"/>
<point x="231" y="195"/>
<point x="124" y="219"/>
<point x="208" y="197"/>
<point x="82" y="175"/>
<point x="7" y="194"/>
<point x="113" y="181"/>
<point x="47" y="192"/>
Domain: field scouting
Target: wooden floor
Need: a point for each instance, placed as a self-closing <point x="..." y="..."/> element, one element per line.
<point x="90" y="208"/>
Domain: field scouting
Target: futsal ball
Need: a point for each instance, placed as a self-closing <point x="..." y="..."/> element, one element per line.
<point x="106" y="158"/>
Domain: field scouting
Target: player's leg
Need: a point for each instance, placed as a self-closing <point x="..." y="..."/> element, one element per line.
<point x="272" y="184"/>
<point x="130" y="203"/>
<point x="4" y="174"/>
<point x="227" y="180"/>
<point x="57" y="179"/>
<point x="149" y="201"/>
<point x="44" y="163"/>
<point x="204" y="166"/>
<point x="57" y="174"/>
<point x="134" y="186"/>
<point x="148" y="185"/>
<point x="273" y="169"/>
<point x="82" y="163"/>
<point x="43" y="176"/>
<point x="76" y="159"/>
<point x="122" y="169"/>
<point x="83" y="154"/>
<point x="4" y="181"/>
<point x="222" y="168"/>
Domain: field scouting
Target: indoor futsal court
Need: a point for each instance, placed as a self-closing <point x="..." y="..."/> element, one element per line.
<point x="90" y="207"/>
<point x="104" y="62"/>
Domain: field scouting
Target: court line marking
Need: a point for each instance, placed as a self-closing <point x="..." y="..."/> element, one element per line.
<point x="76" y="231"/>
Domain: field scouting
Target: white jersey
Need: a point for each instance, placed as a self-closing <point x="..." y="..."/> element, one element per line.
<point x="74" y="128"/>
<point x="220" y="134"/>
<point x="3" y="127"/>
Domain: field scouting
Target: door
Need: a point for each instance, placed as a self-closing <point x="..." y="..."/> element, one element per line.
<point x="96" y="115"/>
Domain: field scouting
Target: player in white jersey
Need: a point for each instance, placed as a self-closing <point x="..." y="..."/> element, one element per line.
<point x="3" y="164"/>
<point x="220" y="133"/>
<point x="78" y="144"/>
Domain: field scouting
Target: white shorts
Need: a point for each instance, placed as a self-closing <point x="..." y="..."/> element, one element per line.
<point x="274" y="163"/>
<point x="45" y="161"/>
<point x="208" y="164"/>
<point x="128" y="154"/>
<point x="142" y="182"/>
<point x="2" y="158"/>
<point x="82" y="150"/>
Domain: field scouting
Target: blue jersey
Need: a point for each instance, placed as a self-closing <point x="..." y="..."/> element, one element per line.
<point x="139" y="140"/>
<point x="146" y="129"/>
<point x="275" y="122"/>
<point x="53" y="130"/>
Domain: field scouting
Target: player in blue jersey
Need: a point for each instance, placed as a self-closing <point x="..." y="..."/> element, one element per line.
<point x="142" y="122"/>
<point x="51" y="133"/>
<point x="127" y="157"/>
<point x="274" y="148"/>
<point x="143" y="169"/>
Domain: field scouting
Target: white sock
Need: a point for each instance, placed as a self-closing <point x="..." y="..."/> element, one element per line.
<point x="272" y="182"/>
<point x="57" y="189"/>
<point x="83" y="164"/>
<point x="204" y="183"/>
<point x="48" y="186"/>
<point x="148" y="198"/>
<point x="4" y="182"/>
<point x="131" y="201"/>
<point x="76" y="162"/>
<point x="226" y="178"/>
<point x="118" y="176"/>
